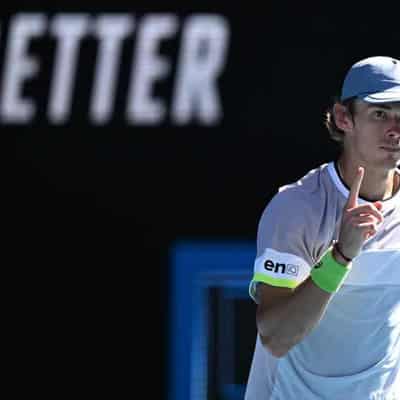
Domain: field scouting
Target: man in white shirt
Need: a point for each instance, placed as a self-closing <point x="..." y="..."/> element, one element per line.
<point x="327" y="272"/>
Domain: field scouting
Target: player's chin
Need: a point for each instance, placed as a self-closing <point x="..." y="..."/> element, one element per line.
<point x="391" y="156"/>
<point x="389" y="162"/>
<point x="393" y="164"/>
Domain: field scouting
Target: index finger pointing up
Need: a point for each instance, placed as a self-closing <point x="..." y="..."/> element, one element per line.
<point x="355" y="188"/>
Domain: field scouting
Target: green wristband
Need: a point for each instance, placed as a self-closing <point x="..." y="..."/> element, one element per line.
<point x="328" y="274"/>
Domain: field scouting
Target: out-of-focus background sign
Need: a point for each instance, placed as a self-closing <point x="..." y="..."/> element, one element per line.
<point x="149" y="138"/>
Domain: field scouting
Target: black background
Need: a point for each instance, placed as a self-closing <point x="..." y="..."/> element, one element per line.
<point x="97" y="209"/>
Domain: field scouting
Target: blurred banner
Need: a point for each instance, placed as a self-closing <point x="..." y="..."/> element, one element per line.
<point x="139" y="70"/>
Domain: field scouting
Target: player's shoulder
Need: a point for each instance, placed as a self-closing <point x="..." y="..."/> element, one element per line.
<point x="306" y="191"/>
<point x="300" y="205"/>
<point x="293" y="220"/>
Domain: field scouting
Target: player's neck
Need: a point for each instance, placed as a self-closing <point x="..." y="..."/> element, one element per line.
<point x="377" y="184"/>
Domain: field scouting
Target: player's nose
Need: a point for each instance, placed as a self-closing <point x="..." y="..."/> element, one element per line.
<point x="394" y="130"/>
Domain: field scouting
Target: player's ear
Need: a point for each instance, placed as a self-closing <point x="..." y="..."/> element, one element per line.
<point x="343" y="118"/>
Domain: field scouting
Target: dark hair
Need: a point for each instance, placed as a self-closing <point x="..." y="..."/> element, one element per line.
<point x="336" y="133"/>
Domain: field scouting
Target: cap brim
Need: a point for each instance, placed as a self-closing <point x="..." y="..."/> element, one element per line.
<point x="388" y="96"/>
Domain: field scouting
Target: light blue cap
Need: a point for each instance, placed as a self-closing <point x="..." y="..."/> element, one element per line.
<point x="374" y="80"/>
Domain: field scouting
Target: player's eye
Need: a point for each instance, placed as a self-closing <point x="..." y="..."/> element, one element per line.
<point x="380" y="114"/>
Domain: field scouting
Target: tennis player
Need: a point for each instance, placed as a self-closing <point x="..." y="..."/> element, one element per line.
<point x="327" y="271"/>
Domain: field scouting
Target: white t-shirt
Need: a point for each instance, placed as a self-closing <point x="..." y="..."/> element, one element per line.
<point x="354" y="351"/>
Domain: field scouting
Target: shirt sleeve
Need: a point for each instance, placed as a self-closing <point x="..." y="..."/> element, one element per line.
<point x="284" y="242"/>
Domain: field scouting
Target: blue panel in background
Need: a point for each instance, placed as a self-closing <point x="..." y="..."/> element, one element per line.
<point x="196" y="267"/>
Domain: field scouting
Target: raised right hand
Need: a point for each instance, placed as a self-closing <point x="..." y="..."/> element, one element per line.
<point x="359" y="222"/>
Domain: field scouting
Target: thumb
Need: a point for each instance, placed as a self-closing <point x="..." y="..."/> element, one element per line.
<point x="378" y="205"/>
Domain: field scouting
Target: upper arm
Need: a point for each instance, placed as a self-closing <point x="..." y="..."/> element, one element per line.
<point x="269" y="295"/>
